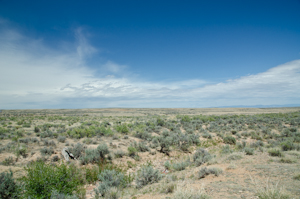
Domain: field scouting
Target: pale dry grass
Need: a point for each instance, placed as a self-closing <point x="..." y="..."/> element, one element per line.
<point x="269" y="190"/>
<point x="186" y="192"/>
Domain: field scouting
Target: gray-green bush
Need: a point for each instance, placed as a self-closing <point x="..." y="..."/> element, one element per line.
<point x="8" y="187"/>
<point x="147" y="175"/>
<point x="109" y="179"/>
<point x="201" y="156"/>
<point x="203" y="172"/>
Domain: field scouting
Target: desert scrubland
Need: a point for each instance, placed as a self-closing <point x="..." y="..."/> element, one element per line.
<point x="151" y="153"/>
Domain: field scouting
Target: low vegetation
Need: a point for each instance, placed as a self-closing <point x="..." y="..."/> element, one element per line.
<point x="166" y="154"/>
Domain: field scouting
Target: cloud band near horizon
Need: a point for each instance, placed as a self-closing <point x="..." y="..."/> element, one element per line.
<point x="36" y="76"/>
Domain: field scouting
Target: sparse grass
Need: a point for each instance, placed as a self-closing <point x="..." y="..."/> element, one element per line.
<point x="235" y="156"/>
<point x="270" y="190"/>
<point x="182" y="192"/>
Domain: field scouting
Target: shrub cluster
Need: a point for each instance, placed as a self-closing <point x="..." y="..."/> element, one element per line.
<point x="147" y="175"/>
<point x="111" y="179"/>
<point x="201" y="156"/>
<point x="8" y="187"/>
<point x="95" y="155"/>
<point x="203" y="172"/>
<point x="41" y="179"/>
<point x="229" y="140"/>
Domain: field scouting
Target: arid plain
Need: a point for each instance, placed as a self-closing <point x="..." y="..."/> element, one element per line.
<point x="155" y="153"/>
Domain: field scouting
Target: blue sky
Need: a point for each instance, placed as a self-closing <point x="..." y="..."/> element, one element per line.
<point x="94" y="54"/>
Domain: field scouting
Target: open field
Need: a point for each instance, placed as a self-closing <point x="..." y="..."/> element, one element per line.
<point x="152" y="153"/>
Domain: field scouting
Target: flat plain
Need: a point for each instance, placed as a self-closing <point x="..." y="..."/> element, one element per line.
<point x="153" y="153"/>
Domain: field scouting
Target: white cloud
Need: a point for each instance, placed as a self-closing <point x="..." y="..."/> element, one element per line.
<point x="34" y="76"/>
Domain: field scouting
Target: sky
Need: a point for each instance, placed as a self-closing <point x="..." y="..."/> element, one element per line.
<point x="149" y="54"/>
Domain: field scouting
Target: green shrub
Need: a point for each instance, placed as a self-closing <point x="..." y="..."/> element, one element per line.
<point x="61" y="138"/>
<point x="160" y="122"/>
<point x="109" y="179"/>
<point x="56" y="195"/>
<point x="167" y="164"/>
<point x="112" y="193"/>
<point x="102" y="150"/>
<point x="203" y="172"/>
<point x="122" y="129"/>
<point x="49" y="142"/>
<point x="55" y="158"/>
<point x="119" y="154"/>
<point x="229" y="140"/>
<point x="249" y="151"/>
<point x="186" y="118"/>
<point x="164" y="143"/>
<point x="296" y="177"/>
<point x="36" y="129"/>
<point x="275" y="152"/>
<point x="8" y="187"/>
<point x="91" y="156"/>
<point x="226" y="149"/>
<point x="47" y="151"/>
<point x="287" y="160"/>
<point x="21" y="150"/>
<point x="41" y="179"/>
<point x="201" y="156"/>
<point x="147" y="175"/>
<point x="132" y="151"/>
<point x="179" y="166"/>
<point x="287" y="146"/>
<point x="141" y="146"/>
<point x="91" y="174"/>
<point x="77" y="150"/>
<point x="8" y="161"/>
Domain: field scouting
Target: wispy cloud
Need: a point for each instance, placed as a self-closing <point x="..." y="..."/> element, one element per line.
<point x="35" y="76"/>
<point x="84" y="49"/>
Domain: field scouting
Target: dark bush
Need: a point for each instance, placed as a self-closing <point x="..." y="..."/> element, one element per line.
<point x="36" y="129"/>
<point x="160" y="122"/>
<point x="287" y="146"/>
<point x="8" y="187"/>
<point x="203" y="172"/>
<point x="8" y="161"/>
<point x="132" y="151"/>
<point x="229" y="140"/>
<point x="275" y="152"/>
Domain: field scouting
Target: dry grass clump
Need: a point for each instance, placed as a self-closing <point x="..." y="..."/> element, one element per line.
<point x="270" y="190"/>
<point x="189" y="193"/>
